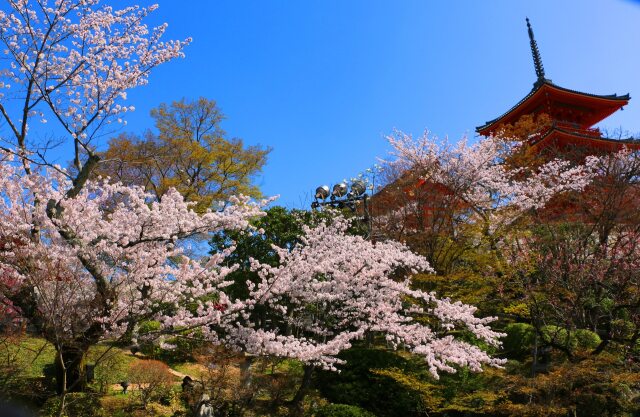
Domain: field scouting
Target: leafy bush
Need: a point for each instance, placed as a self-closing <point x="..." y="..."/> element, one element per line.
<point x="519" y="340"/>
<point x="518" y="343"/>
<point x="186" y="344"/>
<point x="578" y="339"/>
<point x="586" y="339"/>
<point x="341" y="410"/>
<point x="146" y="327"/>
<point x="111" y="369"/>
<point x="152" y="378"/>
<point x="77" y="404"/>
<point x="356" y="384"/>
<point x="147" y="347"/>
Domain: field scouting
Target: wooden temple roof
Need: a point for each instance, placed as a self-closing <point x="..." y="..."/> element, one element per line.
<point x="546" y="94"/>
<point x="582" y="110"/>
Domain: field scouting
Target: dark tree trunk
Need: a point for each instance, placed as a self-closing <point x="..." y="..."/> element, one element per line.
<point x="74" y="365"/>
<point x="296" y="403"/>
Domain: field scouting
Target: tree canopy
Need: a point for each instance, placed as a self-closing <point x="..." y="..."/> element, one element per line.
<point x="189" y="152"/>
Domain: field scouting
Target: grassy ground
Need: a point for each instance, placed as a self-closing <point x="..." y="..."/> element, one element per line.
<point x="28" y="355"/>
<point x="273" y="382"/>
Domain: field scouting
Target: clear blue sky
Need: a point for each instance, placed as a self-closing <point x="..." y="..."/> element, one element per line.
<point x="323" y="81"/>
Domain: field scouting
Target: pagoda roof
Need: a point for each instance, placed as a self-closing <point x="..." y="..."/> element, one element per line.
<point x="604" y="105"/>
<point x="582" y="109"/>
<point x="584" y="139"/>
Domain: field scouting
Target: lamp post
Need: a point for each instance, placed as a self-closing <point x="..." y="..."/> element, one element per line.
<point x="340" y="196"/>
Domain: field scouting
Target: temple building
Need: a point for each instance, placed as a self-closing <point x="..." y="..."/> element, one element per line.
<point x="572" y="115"/>
<point x="553" y="121"/>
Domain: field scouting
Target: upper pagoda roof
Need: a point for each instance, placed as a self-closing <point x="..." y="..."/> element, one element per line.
<point x="547" y="97"/>
<point x="545" y="91"/>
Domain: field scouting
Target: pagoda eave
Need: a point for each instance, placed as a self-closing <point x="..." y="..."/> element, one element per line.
<point x="546" y="97"/>
<point x="563" y="139"/>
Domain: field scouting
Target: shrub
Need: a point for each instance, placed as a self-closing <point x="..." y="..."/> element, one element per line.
<point x="580" y="339"/>
<point x="77" y="404"/>
<point x="152" y="378"/>
<point x="587" y="339"/>
<point x="341" y="410"/>
<point x="519" y="340"/>
<point x="186" y="343"/>
<point x="111" y="370"/>
<point x="557" y="335"/>
<point x="146" y="345"/>
<point x="357" y="385"/>
<point x="146" y="327"/>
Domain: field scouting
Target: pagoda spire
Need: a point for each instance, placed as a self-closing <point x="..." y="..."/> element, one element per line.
<point x="537" y="60"/>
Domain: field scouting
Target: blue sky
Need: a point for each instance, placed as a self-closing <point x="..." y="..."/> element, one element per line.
<point x="322" y="82"/>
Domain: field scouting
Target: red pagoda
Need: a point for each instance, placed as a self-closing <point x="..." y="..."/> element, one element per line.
<point x="573" y="115"/>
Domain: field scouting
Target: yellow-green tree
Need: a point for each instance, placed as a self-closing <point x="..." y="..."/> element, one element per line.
<point x="189" y="152"/>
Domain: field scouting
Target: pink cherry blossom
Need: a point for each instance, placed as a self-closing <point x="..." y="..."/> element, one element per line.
<point x="334" y="288"/>
<point x="73" y="62"/>
<point x="476" y="174"/>
<point x="110" y="257"/>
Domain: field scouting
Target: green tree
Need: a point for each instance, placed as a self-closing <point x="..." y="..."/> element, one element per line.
<point x="189" y="152"/>
<point x="280" y="227"/>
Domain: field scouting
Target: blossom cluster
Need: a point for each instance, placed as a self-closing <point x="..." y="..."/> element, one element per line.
<point x="335" y="288"/>
<point x="78" y="59"/>
<point x="111" y="256"/>
<point x="478" y="175"/>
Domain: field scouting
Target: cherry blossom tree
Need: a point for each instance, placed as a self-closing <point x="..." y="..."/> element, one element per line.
<point x="334" y="288"/>
<point x="110" y="258"/>
<point x="478" y="175"/>
<point x="88" y="259"/>
<point x="444" y="197"/>
<point x="73" y="62"/>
